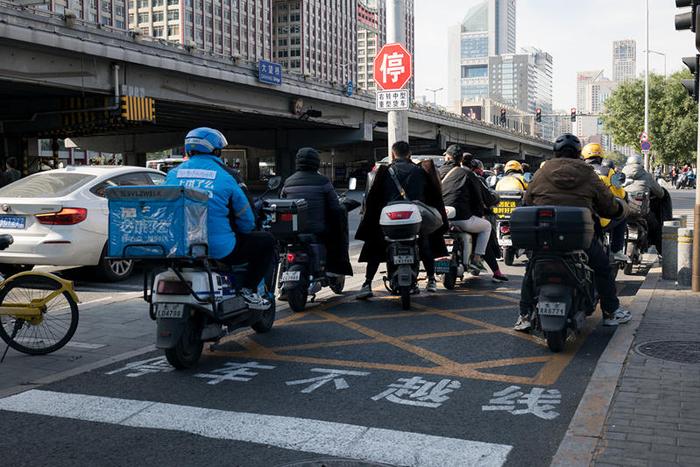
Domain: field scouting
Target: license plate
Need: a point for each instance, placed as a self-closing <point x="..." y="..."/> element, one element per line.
<point x="169" y="310"/>
<point x="12" y="222"/>
<point x="403" y="259"/>
<point x="505" y="241"/>
<point x="442" y="267"/>
<point x="291" y="276"/>
<point x="551" y="308"/>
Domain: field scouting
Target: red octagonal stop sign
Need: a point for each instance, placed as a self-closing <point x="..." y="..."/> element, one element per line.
<point x="392" y="67"/>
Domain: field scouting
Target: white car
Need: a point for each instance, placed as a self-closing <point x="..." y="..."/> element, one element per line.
<point x="60" y="217"/>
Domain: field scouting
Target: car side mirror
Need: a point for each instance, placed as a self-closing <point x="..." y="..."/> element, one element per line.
<point x="618" y="180"/>
<point x="274" y="183"/>
<point x="352" y="184"/>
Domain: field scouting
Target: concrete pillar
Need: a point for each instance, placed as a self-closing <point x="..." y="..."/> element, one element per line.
<point x="685" y="257"/>
<point x="669" y="264"/>
<point x="284" y="160"/>
<point x="136" y="159"/>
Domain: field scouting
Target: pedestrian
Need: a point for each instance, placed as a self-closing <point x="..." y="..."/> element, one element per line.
<point x="418" y="187"/>
<point x="11" y="173"/>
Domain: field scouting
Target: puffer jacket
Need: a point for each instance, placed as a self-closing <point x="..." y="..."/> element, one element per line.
<point x="320" y="196"/>
<point x="228" y="209"/>
<point x="461" y="189"/>
<point x="639" y="179"/>
<point x="572" y="182"/>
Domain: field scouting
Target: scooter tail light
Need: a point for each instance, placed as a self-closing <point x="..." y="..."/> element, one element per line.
<point x="286" y="217"/>
<point x="399" y="215"/>
<point x="505" y="229"/>
<point x="291" y="258"/>
<point x="174" y="287"/>
<point x="547" y="213"/>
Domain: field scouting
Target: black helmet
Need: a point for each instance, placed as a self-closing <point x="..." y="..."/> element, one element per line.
<point x="476" y="164"/>
<point x="567" y="145"/>
<point x="308" y="159"/>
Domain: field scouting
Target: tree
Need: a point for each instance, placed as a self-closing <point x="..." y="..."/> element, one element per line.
<point x="672" y="117"/>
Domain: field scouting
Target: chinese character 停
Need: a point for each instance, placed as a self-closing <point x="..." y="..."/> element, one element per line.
<point x="392" y="65"/>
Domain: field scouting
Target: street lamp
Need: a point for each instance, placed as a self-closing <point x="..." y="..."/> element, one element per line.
<point x="435" y="91"/>
<point x="664" y="56"/>
<point x="646" y="87"/>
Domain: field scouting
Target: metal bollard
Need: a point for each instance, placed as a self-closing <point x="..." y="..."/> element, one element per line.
<point x="683" y="221"/>
<point x="669" y="259"/>
<point x="685" y="257"/>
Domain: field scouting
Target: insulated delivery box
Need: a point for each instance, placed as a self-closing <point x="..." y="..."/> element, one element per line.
<point x="552" y="228"/>
<point x="157" y="222"/>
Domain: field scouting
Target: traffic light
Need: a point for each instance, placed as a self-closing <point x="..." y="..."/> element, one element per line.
<point x="692" y="85"/>
<point x="573" y="114"/>
<point x="689" y="19"/>
<point x="538" y="115"/>
<point x="503" y="116"/>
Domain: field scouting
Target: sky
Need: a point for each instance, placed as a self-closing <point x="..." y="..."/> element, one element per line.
<point x="578" y="34"/>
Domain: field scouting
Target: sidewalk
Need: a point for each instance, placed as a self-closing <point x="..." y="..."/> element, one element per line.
<point x="107" y="330"/>
<point x="642" y="404"/>
<point x="654" y="418"/>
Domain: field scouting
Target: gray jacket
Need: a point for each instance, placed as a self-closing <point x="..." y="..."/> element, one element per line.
<point x="639" y="179"/>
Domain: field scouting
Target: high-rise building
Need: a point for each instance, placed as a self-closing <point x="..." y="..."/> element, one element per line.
<point x="524" y="81"/>
<point x="317" y="38"/>
<point x="624" y="60"/>
<point x="105" y="12"/>
<point x="371" y="36"/>
<point x="487" y="29"/>
<point x="240" y="29"/>
<point x="593" y="89"/>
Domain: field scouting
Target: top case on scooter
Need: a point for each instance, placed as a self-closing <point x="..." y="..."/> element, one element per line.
<point x="400" y="220"/>
<point x="552" y="228"/>
<point x="290" y="219"/>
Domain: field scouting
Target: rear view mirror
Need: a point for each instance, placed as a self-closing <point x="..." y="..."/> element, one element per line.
<point x="527" y="177"/>
<point x="618" y="180"/>
<point x="274" y="183"/>
<point x="352" y="184"/>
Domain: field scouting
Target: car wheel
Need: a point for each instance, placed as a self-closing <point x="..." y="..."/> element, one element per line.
<point x="114" y="270"/>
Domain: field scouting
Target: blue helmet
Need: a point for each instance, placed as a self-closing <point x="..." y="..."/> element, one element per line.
<point x="204" y="141"/>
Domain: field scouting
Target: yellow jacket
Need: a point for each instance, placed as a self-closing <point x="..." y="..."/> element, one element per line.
<point x="605" y="174"/>
<point x="512" y="182"/>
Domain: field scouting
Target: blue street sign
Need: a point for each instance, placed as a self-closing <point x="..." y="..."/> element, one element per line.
<point x="269" y="73"/>
<point x="646" y="146"/>
<point x="350" y="88"/>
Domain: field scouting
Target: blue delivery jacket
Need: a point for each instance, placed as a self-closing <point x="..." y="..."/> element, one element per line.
<point x="228" y="209"/>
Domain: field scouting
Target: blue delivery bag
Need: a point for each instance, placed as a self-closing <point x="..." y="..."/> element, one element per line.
<point x="157" y="222"/>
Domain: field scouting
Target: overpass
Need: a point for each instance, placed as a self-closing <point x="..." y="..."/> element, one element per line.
<point x="60" y="77"/>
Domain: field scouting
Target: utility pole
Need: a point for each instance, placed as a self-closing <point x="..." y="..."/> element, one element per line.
<point x="646" y="87"/>
<point x="396" y="32"/>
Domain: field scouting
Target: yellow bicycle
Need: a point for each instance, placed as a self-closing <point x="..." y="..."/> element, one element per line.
<point x="38" y="311"/>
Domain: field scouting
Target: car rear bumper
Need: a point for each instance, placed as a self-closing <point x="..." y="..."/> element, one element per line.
<point x="54" y="250"/>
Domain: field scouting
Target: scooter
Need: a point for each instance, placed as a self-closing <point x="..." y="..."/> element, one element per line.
<point x="195" y="300"/>
<point x="401" y="223"/>
<point x="637" y="242"/>
<point x="303" y="258"/>
<point x="562" y="281"/>
<point x="460" y="246"/>
<point x="509" y="201"/>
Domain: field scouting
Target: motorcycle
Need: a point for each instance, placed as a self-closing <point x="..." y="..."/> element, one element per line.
<point x="196" y="300"/>
<point x="401" y="222"/>
<point x="509" y="201"/>
<point x="637" y="241"/>
<point x="562" y="281"/>
<point x="686" y="180"/>
<point x="460" y="246"/>
<point x="303" y="262"/>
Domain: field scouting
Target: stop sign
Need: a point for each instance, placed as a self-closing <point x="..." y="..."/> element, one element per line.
<point x="392" y="67"/>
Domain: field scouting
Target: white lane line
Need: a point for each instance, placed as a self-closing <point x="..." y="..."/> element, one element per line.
<point x="298" y="434"/>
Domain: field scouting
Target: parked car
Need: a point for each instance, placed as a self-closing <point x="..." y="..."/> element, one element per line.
<point x="60" y="217"/>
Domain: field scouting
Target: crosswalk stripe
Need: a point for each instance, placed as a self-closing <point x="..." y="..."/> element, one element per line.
<point x="298" y="434"/>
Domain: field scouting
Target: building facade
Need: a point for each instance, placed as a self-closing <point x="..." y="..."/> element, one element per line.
<point x="488" y="29"/>
<point x="592" y="90"/>
<point x="240" y="29"/>
<point x="317" y="38"/>
<point x="371" y="36"/>
<point x="524" y="81"/>
<point x="624" y="60"/>
<point x="110" y="13"/>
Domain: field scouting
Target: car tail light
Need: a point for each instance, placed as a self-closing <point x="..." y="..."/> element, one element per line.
<point x="549" y="213"/>
<point x="286" y="217"/>
<point x="174" y="287"/>
<point x="399" y="215"/>
<point x="66" y="216"/>
<point x="505" y="229"/>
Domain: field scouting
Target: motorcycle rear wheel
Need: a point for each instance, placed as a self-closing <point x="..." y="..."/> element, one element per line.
<point x="449" y="280"/>
<point x="405" y="293"/>
<point x="509" y="255"/>
<point x="188" y="349"/>
<point x="556" y="340"/>
<point x="297" y="297"/>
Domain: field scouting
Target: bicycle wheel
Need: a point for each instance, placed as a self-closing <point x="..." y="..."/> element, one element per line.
<point x="46" y="334"/>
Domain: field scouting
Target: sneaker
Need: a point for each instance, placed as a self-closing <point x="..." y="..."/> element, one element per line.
<point x="432" y="286"/>
<point x="255" y="301"/>
<point x="621" y="257"/>
<point x="500" y="277"/>
<point x="620" y="316"/>
<point x="365" y="292"/>
<point x="523" y="324"/>
<point x="477" y="265"/>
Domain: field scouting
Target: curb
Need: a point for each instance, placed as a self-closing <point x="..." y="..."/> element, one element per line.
<point x="586" y="427"/>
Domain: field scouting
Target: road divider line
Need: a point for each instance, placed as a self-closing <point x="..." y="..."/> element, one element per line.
<point x="298" y="434"/>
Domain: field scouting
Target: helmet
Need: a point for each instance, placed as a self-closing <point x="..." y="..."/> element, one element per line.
<point x="592" y="151"/>
<point x="476" y="164"/>
<point x="308" y="159"/>
<point x="498" y="167"/>
<point x="514" y="166"/>
<point x="567" y="145"/>
<point x="632" y="160"/>
<point x="204" y="141"/>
